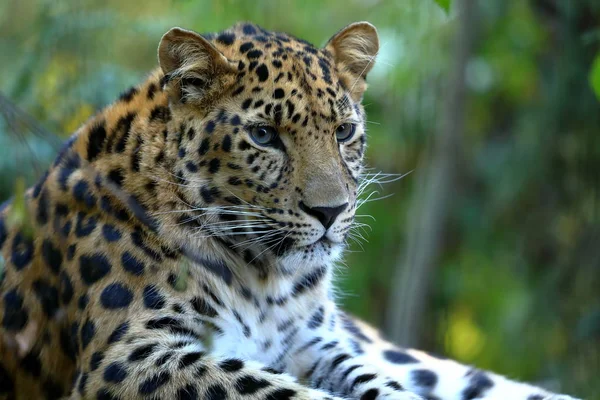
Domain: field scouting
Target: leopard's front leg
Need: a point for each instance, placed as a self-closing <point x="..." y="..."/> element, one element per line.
<point x="435" y="377"/>
<point x="329" y="358"/>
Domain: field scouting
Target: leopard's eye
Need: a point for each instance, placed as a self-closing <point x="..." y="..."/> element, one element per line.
<point x="263" y="135"/>
<point x="344" y="132"/>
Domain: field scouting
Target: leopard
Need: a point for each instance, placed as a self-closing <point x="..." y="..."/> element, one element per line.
<point x="183" y="243"/>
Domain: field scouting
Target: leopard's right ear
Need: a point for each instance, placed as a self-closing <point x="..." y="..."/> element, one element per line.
<point x="195" y="71"/>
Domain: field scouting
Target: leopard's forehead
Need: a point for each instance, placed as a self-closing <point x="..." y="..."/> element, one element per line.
<point x="285" y="68"/>
<point x="254" y="42"/>
<point x="272" y="55"/>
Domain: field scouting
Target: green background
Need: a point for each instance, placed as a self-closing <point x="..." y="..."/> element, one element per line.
<point x="516" y="285"/>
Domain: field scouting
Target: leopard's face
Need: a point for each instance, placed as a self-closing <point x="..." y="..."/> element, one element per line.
<point x="274" y="139"/>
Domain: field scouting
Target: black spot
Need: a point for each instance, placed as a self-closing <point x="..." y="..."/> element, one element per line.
<point x="31" y="364"/>
<point x="118" y="333"/>
<point x="71" y="163"/>
<point x="217" y="267"/>
<point x="249" y="384"/>
<point x="136" y="156"/>
<point x="214" y="165"/>
<point x="152" y="384"/>
<point x="235" y="120"/>
<point x="231" y="365"/>
<point x="6" y="383"/>
<point x="246" y="46"/>
<point x="361" y="379"/>
<point x="22" y="251"/>
<point x="424" y="378"/>
<point x="254" y="54"/>
<point x="131" y="264"/>
<point x="263" y="72"/>
<point x="88" y="330"/>
<point x="399" y="357"/>
<point x="110" y="233"/>
<point x="96" y="138"/>
<point x="479" y="383"/>
<point x="151" y="90"/>
<point x="115" y="373"/>
<point x="190" y="358"/>
<point x="210" y="127"/>
<point x="191" y="134"/>
<point x="226" y="38"/>
<point x="278" y="93"/>
<point x="191" y="166"/>
<point x="317" y="318"/>
<point x="83" y="301"/>
<point x="160" y="113"/>
<point x="47" y="295"/>
<point x="82" y="383"/>
<point x="115" y="296"/>
<point x="163" y="359"/>
<point x="52" y="256"/>
<point x="215" y="392"/>
<point x="42" y="208"/>
<point x="246" y="104"/>
<point x="188" y="392"/>
<point x="96" y="360"/>
<point x="234" y="180"/>
<point x="82" y="193"/>
<point x="138" y="240"/>
<point x="93" y="268"/>
<point x="152" y="298"/>
<point x="84" y="227"/>
<point x="395" y="385"/>
<point x="238" y="91"/>
<point x="66" y="288"/>
<point x="209" y="194"/>
<point x="142" y="352"/>
<point x="204" y="146"/>
<point x="281" y="394"/>
<point x="203" y="308"/>
<point x="15" y="317"/>
<point x="124" y="126"/>
<point x="370" y="394"/>
<point x="309" y="281"/>
<point x="127" y="95"/>
<point x="248" y="29"/>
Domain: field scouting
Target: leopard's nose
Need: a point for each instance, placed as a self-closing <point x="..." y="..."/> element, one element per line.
<point x="325" y="215"/>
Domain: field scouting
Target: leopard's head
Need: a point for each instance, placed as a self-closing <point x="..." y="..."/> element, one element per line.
<point x="274" y="133"/>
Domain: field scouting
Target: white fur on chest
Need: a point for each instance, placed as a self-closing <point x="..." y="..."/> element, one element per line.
<point x="262" y="333"/>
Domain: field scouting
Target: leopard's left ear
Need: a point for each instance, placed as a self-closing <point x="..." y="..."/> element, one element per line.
<point x="354" y="49"/>
<point x="195" y="70"/>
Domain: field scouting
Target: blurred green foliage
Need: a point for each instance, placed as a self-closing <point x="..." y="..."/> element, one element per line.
<point x="517" y="288"/>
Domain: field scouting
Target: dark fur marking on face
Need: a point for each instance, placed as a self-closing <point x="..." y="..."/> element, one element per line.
<point x="226" y="38"/>
<point x="244" y="47"/>
<point x="262" y="72"/>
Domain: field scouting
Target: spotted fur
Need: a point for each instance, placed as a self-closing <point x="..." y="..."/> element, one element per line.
<point x="175" y="255"/>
